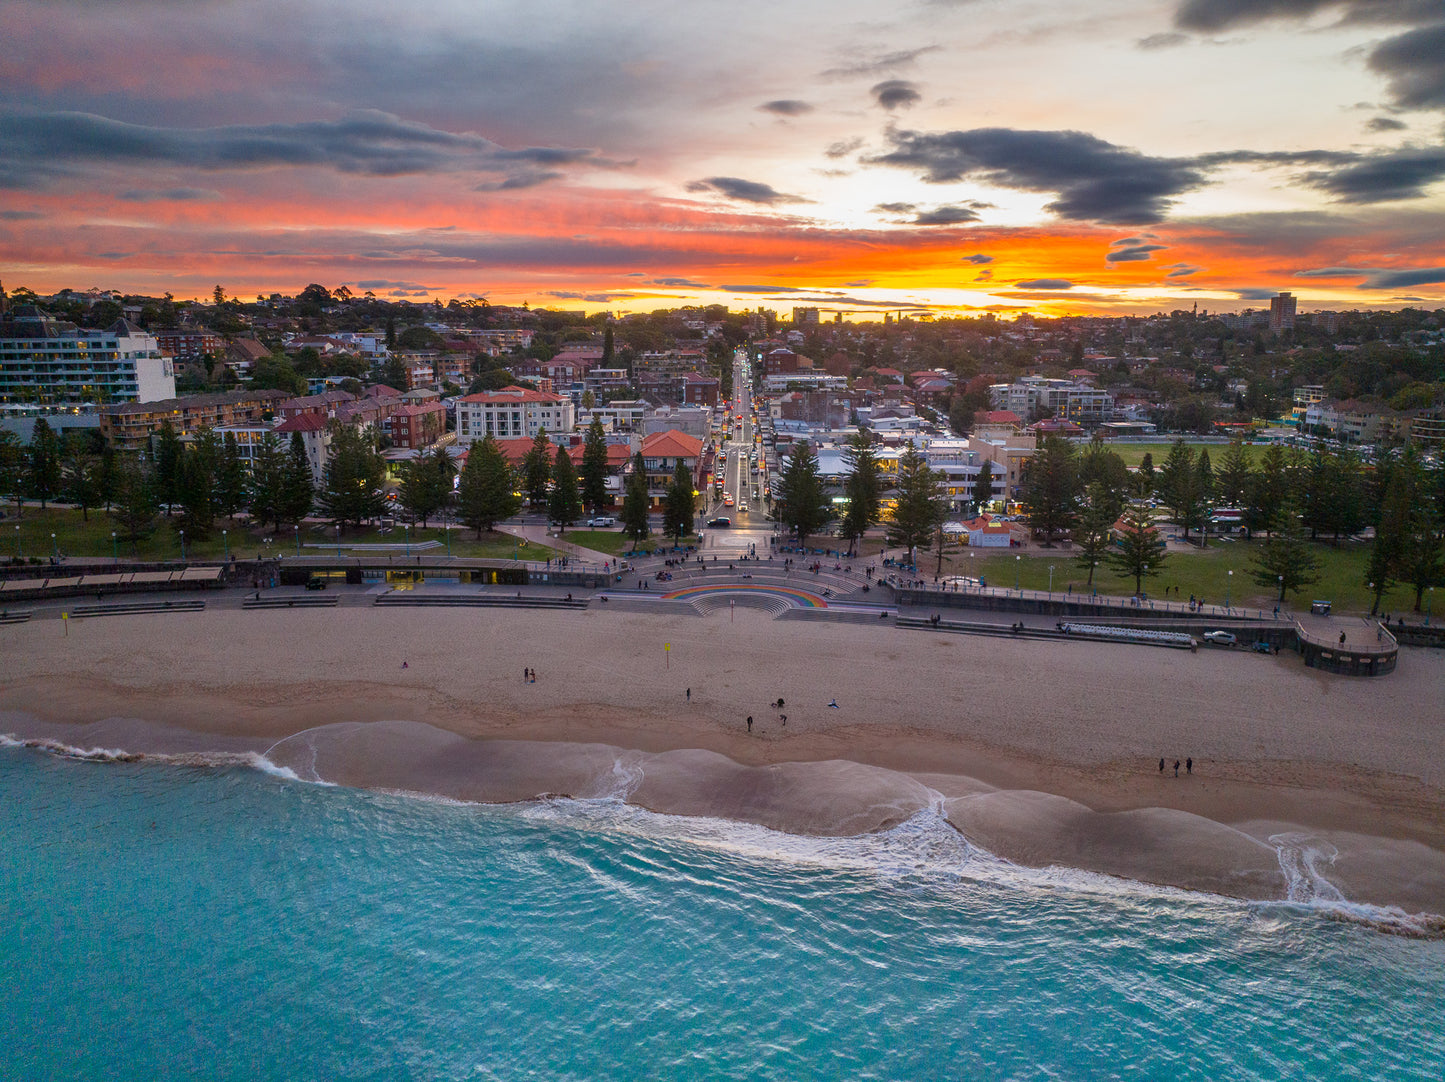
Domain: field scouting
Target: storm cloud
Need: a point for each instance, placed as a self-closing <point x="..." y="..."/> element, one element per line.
<point x="1095" y="180"/>
<point x="745" y="191"/>
<point x="40" y="145"/>
<point x="786" y="107"/>
<point x="896" y="94"/>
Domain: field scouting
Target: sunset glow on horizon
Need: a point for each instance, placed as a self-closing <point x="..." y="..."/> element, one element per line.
<point x="958" y="156"/>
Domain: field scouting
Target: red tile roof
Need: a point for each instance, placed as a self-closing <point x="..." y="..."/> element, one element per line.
<point x="671" y="444"/>
<point x="513" y="394"/>
<point x="303" y="422"/>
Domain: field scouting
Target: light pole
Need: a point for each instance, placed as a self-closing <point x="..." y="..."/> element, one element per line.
<point x="1017" y="561"/>
<point x="54" y="548"/>
<point x="226" y="541"/>
<point x="297" y="530"/>
<point x="338" y="539"/>
<point x="114" y="547"/>
<point x="1228" y="589"/>
<point x="183" y="545"/>
<point x="1051" y="582"/>
<point x="17" y="542"/>
<point x="1092" y="578"/>
<point x="1429" y="604"/>
<point x="407" y="529"/>
<point x="1281" y="586"/>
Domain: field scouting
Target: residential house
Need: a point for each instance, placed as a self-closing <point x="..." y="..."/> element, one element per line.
<point x="513" y="412"/>
<point x="661" y="453"/>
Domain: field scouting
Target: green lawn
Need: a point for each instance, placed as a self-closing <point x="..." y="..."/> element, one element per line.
<point x="617" y="543"/>
<point x="76" y="537"/>
<point x="1205" y="574"/>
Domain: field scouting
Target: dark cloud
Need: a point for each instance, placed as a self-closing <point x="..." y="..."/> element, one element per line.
<point x="1045" y="283"/>
<point x="1134" y="253"/>
<point x="947" y="215"/>
<point x="1413" y="65"/>
<point x="678" y="283"/>
<point x="1404" y="279"/>
<point x="1210" y="15"/>
<point x="1162" y="41"/>
<point x="163" y="195"/>
<point x="762" y="289"/>
<point x="386" y="283"/>
<point x="41" y="145"/>
<point x="517" y="181"/>
<point x="1182" y="270"/>
<point x="896" y="94"/>
<point x="896" y="208"/>
<point x="878" y="63"/>
<point x="1332" y="272"/>
<point x="1050" y="295"/>
<point x="1095" y="180"/>
<point x="1379" y="178"/>
<point x="978" y="257"/>
<point x="590" y="298"/>
<point x="1255" y="293"/>
<point x="1385" y="123"/>
<point x="985" y="276"/>
<point x="20" y="216"/>
<point x="842" y="148"/>
<point x="786" y="107"/>
<point x="746" y="191"/>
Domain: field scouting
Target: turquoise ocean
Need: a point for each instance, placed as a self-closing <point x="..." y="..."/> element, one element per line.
<point x="227" y="922"/>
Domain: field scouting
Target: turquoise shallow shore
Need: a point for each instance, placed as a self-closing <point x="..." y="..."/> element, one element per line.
<point x="226" y="923"/>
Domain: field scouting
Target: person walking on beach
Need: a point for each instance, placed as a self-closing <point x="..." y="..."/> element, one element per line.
<point x="1176" y="768"/>
<point x="1189" y="765"/>
<point x="1161" y="766"/>
<point x="689" y="694"/>
<point x="750" y="723"/>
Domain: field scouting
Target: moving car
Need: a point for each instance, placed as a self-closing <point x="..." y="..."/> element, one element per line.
<point x="722" y="522"/>
<point x="1220" y="638"/>
<point x="602" y="520"/>
<point x="742" y="507"/>
<point x="727" y="501"/>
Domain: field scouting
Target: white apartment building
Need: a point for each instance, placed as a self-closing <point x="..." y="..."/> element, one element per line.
<point x="512" y="413"/>
<point x="46" y="361"/>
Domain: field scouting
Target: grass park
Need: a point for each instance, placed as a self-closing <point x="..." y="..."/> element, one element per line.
<point x="64" y="532"/>
<point x="1204" y="573"/>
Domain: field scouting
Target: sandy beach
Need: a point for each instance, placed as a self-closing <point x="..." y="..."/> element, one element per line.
<point x="1042" y="752"/>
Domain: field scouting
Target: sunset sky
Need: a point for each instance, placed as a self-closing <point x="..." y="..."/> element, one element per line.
<point x="1111" y="156"/>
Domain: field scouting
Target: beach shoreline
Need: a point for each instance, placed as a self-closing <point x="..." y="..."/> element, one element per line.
<point x="1042" y="753"/>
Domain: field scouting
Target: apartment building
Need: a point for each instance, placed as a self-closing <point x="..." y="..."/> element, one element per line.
<point x="48" y="362"/>
<point x="129" y="426"/>
<point x="511" y="413"/>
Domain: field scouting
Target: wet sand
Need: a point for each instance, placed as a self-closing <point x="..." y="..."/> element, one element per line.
<point x="1042" y="752"/>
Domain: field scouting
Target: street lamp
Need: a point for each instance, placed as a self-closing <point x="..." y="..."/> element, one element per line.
<point x="1228" y="588"/>
<point x="1095" y="585"/>
<point x="17" y="542"/>
<point x="297" y="530"/>
<point x="1429" y="605"/>
<point x="1281" y="586"/>
<point x="183" y="545"/>
<point x="54" y="548"/>
<point x="226" y="541"/>
<point x="1051" y="581"/>
<point x="1017" y="560"/>
<point x="338" y="539"/>
<point x="114" y="547"/>
<point x="407" y="529"/>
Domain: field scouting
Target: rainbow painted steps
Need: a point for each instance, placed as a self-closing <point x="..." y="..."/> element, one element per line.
<point x="787" y="595"/>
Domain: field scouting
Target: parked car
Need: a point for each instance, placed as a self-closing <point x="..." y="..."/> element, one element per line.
<point x="315" y="582"/>
<point x="602" y="520"/>
<point x="1261" y="647"/>
<point x="1320" y="608"/>
<point x="722" y="522"/>
<point x="1220" y="638"/>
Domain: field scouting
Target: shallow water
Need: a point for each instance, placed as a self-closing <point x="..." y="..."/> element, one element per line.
<point x="223" y="922"/>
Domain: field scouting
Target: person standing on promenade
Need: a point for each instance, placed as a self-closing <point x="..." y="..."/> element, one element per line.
<point x="1176" y="768"/>
<point x="1189" y="765"/>
<point x="1161" y="766"/>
